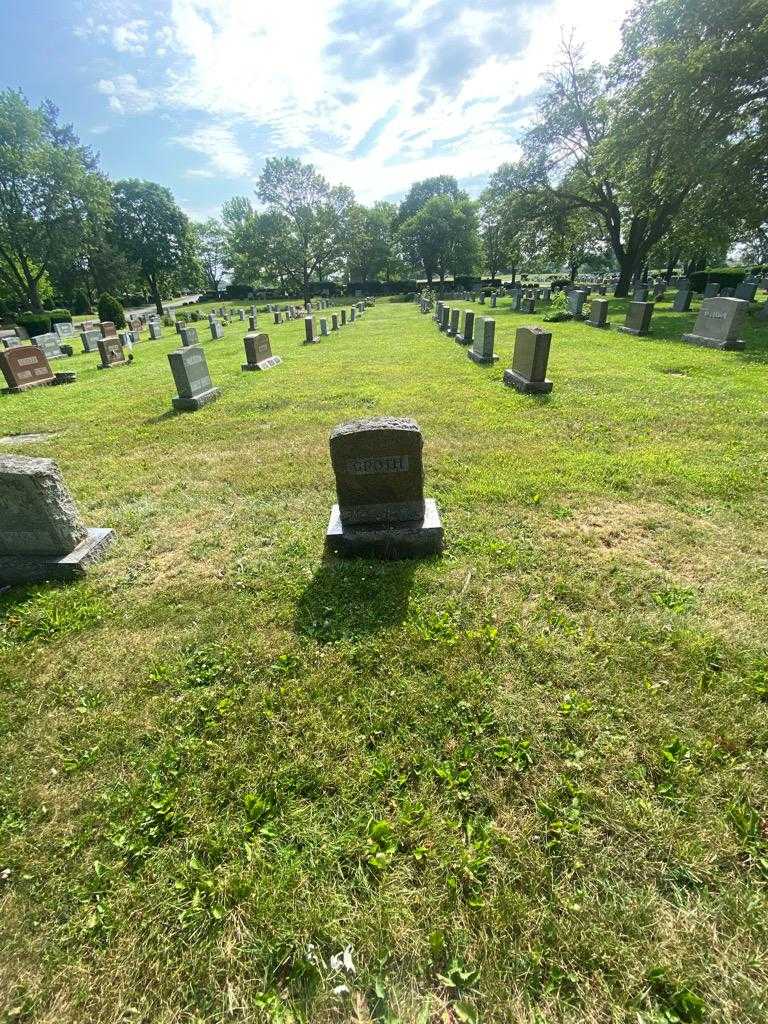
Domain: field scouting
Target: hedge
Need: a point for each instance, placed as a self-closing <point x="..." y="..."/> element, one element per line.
<point x="60" y="316"/>
<point x="726" y="277"/>
<point x="110" y="310"/>
<point x="34" y="323"/>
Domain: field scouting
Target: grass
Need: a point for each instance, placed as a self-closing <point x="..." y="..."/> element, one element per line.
<point x="524" y="782"/>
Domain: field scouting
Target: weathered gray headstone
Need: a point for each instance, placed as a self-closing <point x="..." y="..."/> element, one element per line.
<point x="323" y="327"/>
<point x="258" y="353"/>
<point x="352" y="315"/>
<point x="381" y="510"/>
<point x="309" y="331"/>
<point x="51" y="346"/>
<point x="711" y="290"/>
<point x="343" y="316"/>
<point x="42" y="535"/>
<point x="638" y="319"/>
<point x="253" y="323"/>
<point x="746" y="291"/>
<point x="576" y="303"/>
<point x="719" y="323"/>
<point x="334" y="321"/>
<point x="640" y="293"/>
<point x="217" y="331"/>
<point x="188" y="336"/>
<point x="90" y="340"/>
<point x="762" y="313"/>
<point x="682" y="300"/>
<point x="468" y="332"/>
<point x="155" y="330"/>
<point x="453" y="325"/>
<point x="445" y="319"/>
<point x="193" y="381"/>
<point x="517" y="300"/>
<point x="528" y="372"/>
<point x="598" y="313"/>
<point x="482" y="344"/>
<point x="64" y="329"/>
<point x="278" y="317"/>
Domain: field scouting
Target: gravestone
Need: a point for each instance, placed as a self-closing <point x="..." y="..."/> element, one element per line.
<point x="576" y="303"/>
<point x="638" y="319"/>
<point x="217" y="331"/>
<point x="682" y="300"/>
<point x="188" y="336"/>
<point x="352" y="315"/>
<point x="334" y="321"/>
<point x="323" y="327"/>
<point x="10" y="341"/>
<point x="25" y="367"/>
<point x="465" y="338"/>
<point x="482" y="345"/>
<point x="529" y="305"/>
<point x="278" y="317"/>
<point x="50" y="345"/>
<point x="528" y="373"/>
<point x="640" y="293"/>
<point x="762" y="313"/>
<point x="253" y="323"/>
<point x="343" y="315"/>
<point x="90" y="340"/>
<point x="727" y="293"/>
<point x="64" y="330"/>
<point x="445" y="318"/>
<point x="602" y="290"/>
<point x="43" y="536"/>
<point x="108" y="329"/>
<point x="747" y="291"/>
<point x="438" y="311"/>
<point x="598" y="314"/>
<point x="517" y="300"/>
<point x="258" y="352"/>
<point x="128" y="338"/>
<point x="493" y="300"/>
<point x="241" y="314"/>
<point x="711" y="290"/>
<point x="453" y="326"/>
<point x="546" y="295"/>
<point x="193" y="381"/>
<point x="155" y="330"/>
<point x="719" y="323"/>
<point x="381" y="510"/>
<point x="309" y="331"/>
<point x="481" y="298"/>
<point x="112" y="353"/>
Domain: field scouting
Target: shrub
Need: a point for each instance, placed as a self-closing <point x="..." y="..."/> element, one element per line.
<point x="111" y="310"/>
<point x="60" y="316"/>
<point x="80" y="303"/>
<point x="34" y="323"/>
<point x="726" y="277"/>
<point x="558" y="310"/>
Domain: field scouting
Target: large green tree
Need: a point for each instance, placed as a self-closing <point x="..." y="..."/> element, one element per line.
<point x="50" y="196"/>
<point x="212" y="251"/>
<point x="370" y="240"/>
<point x="154" y="235"/>
<point x="309" y="216"/>
<point x="442" y="237"/>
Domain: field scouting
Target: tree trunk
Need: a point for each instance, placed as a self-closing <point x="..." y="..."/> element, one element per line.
<point x="514" y="274"/>
<point x="574" y="268"/>
<point x="34" y="296"/>
<point x="156" y="297"/>
<point x="627" y="267"/>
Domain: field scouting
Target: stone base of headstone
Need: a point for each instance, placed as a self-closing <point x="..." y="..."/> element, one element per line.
<point x="192" y="404"/>
<point x="34" y="568"/>
<point x="478" y="358"/>
<point x="263" y="364"/>
<point x="633" y="331"/>
<point x="387" y="541"/>
<point x="125" y="362"/>
<point x="462" y="340"/>
<point x="527" y="387"/>
<point x="601" y="327"/>
<point x="69" y="377"/>
<point x="724" y="346"/>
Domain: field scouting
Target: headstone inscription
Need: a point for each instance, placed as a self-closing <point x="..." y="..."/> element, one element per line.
<point x="598" y="313"/>
<point x="453" y="326"/>
<point x="188" y="336"/>
<point x="528" y="373"/>
<point x="112" y="353"/>
<point x="719" y="323"/>
<point x="482" y="344"/>
<point x="258" y="353"/>
<point x="682" y="300"/>
<point x="381" y="510"/>
<point x="468" y="333"/>
<point x="638" y="319"/>
<point x="43" y="536"/>
<point x="193" y="381"/>
<point x="155" y="330"/>
<point x="309" y="331"/>
<point x="90" y="340"/>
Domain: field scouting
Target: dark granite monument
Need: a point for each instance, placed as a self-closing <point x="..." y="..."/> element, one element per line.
<point x="638" y="319"/>
<point x="193" y="382"/>
<point x="112" y="353"/>
<point x="468" y="333"/>
<point x="43" y="536"/>
<point x="598" y="314"/>
<point x="453" y="324"/>
<point x="258" y="353"/>
<point x="309" y="331"/>
<point x="482" y="345"/>
<point x="719" y="323"/>
<point x="188" y="336"/>
<point x="381" y="510"/>
<point x="528" y="372"/>
<point x="682" y="300"/>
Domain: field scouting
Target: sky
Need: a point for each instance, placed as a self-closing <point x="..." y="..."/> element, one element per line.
<point x="377" y="94"/>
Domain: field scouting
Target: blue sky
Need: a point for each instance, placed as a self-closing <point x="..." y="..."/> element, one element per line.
<point x="196" y="94"/>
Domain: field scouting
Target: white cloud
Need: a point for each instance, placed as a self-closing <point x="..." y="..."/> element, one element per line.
<point x="218" y="145"/>
<point x="131" y="37"/>
<point x="99" y="129"/>
<point x="126" y="95"/>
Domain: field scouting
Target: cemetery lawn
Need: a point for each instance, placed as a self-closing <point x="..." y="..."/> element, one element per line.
<point x="525" y="782"/>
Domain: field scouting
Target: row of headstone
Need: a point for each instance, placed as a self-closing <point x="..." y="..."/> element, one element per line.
<point x="477" y="332"/>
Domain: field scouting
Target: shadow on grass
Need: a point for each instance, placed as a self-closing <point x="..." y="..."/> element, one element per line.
<point x="167" y="415"/>
<point x="348" y="598"/>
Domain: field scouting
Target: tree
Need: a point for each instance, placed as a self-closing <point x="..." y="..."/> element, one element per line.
<point x="50" y="192"/>
<point x="212" y="250"/>
<point x="153" y="234"/>
<point x="370" y="239"/>
<point x="309" y="217"/>
<point x="421" y="192"/>
<point x="630" y="145"/>
<point x="442" y="237"/>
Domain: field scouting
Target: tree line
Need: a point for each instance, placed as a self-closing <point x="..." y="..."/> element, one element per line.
<point x="658" y="158"/>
